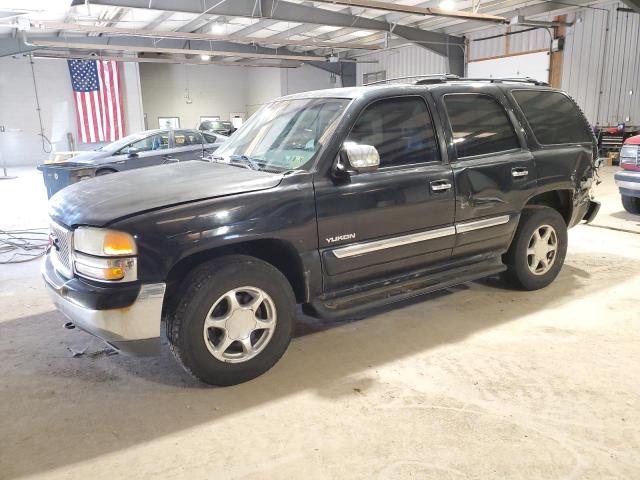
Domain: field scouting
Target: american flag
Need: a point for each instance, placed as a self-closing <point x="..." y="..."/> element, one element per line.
<point x="96" y="87"/>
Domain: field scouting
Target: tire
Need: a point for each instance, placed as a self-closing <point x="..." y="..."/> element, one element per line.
<point x="206" y="294"/>
<point x="525" y="259"/>
<point x="105" y="171"/>
<point x="631" y="204"/>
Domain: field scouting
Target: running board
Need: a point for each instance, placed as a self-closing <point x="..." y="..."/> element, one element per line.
<point x="393" y="292"/>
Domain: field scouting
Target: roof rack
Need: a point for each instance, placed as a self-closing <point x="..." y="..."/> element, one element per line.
<point x="506" y="79"/>
<point x="434" y="78"/>
<point x="437" y="77"/>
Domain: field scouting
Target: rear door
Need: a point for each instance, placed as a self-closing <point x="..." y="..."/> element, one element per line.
<point x="187" y="145"/>
<point x="397" y="218"/>
<point x="494" y="172"/>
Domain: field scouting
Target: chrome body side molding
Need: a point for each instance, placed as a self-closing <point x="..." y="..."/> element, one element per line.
<point x="373" y="246"/>
<point x="484" y="223"/>
<point x="376" y="245"/>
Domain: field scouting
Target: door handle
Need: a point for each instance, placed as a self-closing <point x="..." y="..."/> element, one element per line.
<point x="519" y="172"/>
<point x="440" y="185"/>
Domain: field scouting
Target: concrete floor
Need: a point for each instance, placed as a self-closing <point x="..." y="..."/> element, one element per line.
<point x="475" y="382"/>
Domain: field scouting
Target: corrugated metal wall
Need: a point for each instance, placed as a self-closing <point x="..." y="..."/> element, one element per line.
<point x="601" y="69"/>
<point x="523" y="42"/>
<point x="402" y="62"/>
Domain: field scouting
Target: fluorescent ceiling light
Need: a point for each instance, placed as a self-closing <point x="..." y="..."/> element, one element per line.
<point x="205" y="57"/>
<point x="218" y="28"/>
<point x="448" y="5"/>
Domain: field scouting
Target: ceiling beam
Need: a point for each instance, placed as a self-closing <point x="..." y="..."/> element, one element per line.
<point x="508" y="10"/>
<point x="633" y="5"/>
<point x="147" y="49"/>
<point x="178" y="60"/>
<point x="416" y="10"/>
<point x="292" y="12"/>
<point x="143" y="32"/>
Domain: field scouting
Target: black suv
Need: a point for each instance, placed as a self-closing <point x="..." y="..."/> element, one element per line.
<point x="340" y="200"/>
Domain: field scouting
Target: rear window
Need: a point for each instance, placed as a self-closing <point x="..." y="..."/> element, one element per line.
<point x="480" y="125"/>
<point x="553" y="117"/>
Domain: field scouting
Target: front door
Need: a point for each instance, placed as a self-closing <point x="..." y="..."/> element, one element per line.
<point x="397" y="217"/>
<point x="494" y="174"/>
<point x="146" y="152"/>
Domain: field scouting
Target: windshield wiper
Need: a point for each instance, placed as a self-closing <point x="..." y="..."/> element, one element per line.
<point x="252" y="163"/>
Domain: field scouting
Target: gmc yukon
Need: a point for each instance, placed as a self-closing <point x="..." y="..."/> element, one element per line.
<point x="339" y="200"/>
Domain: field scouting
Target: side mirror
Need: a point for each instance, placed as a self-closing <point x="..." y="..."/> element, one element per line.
<point x="355" y="158"/>
<point x="132" y="152"/>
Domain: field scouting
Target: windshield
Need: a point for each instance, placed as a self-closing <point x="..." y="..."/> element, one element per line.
<point x="283" y="135"/>
<point x="216" y="125"/>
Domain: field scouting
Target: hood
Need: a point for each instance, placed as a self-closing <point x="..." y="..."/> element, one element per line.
<point x="102" y="200"/>
<point x="635" y="140"/>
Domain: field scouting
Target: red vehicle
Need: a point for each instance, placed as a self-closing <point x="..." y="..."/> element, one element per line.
<point x="628" y="180"/>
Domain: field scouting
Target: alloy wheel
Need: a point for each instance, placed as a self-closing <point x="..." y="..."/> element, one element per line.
<point x="542" y="250"/>
<point x="240" y="324"/>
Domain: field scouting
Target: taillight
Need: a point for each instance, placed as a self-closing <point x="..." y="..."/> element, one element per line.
<point x="630" y="157"/>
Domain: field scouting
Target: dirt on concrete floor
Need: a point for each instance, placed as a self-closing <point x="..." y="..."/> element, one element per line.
<point x="478" y="381"/>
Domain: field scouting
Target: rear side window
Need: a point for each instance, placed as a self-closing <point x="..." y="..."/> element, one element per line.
<point x="480" y="125"/>
<point x="553" y="117"/>
<point x="185" y="138"/>
<point x="400" y="129"/>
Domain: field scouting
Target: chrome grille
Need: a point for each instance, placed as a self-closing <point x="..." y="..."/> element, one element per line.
<point x="62" y="246"/>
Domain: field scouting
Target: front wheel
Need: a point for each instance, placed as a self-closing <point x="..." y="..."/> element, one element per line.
<point x="233" y="321"/>
<point x="538" y="249"/>
<point x="631" y="204"/>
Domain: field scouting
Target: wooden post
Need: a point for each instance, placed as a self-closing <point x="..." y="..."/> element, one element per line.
<point x="555" y="62"/>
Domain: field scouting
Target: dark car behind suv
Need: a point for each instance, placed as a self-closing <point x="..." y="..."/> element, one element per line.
<point x="340" y="200"/>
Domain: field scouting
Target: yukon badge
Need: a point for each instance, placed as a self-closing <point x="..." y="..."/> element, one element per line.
<point x="339" y="238"/>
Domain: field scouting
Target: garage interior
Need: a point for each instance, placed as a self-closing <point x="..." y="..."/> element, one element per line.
<point x="475" y="381"/>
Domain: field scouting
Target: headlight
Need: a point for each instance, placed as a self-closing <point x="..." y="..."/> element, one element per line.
<point x="105" y="255"/>
<point x="102" y="242"/>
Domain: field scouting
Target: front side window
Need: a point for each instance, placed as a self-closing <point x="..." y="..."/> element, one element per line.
<point x="153" y="142"/>
<point x="400" y="129"/>
<point x="185" y="138"/>
<point x="480" y="125"/>
<point x="553" y="117"/>
<point x="283" y="135"/>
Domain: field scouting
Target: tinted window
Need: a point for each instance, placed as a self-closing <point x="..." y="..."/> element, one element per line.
<point x="184" y="138"/>
<point x="400" y="129"/>
<point x="154" y="142"/>
<point x="553" y="117"/>
<point x="480" y="125"/>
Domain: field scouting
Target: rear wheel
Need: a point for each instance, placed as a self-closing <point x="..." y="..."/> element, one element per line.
<point x="631" y="204"/>
<point x="538" y="248"/>
<point x="233" y="321"/>
<point x="104" y="171"/>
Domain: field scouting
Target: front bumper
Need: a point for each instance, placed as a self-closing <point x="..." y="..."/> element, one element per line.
<point x="127" y="318"/>
<point x="628" y="183"/>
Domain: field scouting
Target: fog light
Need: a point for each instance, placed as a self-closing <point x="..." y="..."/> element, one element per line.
<point x="109" y="269"/>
